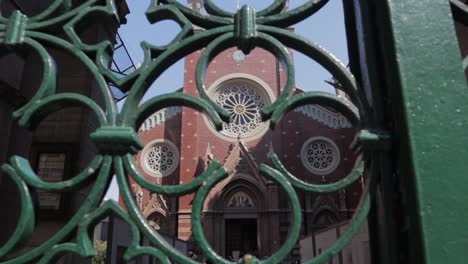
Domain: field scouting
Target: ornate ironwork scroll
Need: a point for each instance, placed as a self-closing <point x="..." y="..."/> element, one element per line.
<point x="116" y="137"/>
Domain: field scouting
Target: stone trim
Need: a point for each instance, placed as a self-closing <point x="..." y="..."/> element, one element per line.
<point x="328" y="118"/>
<point x="160" y="117"/>
<point x="262" y="88"/>
<point x="333" y="164"/>
<point x="147" y="149"/>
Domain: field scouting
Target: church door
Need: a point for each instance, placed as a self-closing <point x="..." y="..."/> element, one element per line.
<point x="241" y="237"/>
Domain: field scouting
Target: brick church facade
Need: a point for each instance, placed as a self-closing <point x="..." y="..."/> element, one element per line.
<point x="246" y="212"/>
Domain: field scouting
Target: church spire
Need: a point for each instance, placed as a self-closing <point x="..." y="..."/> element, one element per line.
<point x="208" y="156"/>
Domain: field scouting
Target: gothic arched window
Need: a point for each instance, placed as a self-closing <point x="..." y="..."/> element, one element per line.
<point x="240" y="200"/>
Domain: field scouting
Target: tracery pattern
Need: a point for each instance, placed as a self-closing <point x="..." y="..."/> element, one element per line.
<point x="320" y="156"/>
<point x="161" y="158"/>
<point x="116" y="138"/>
<point x="240" y="200"/>
<point x="243" y="102"/>
<point x="324" y="116"/>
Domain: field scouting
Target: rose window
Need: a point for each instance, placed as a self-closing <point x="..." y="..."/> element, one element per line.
<point x="160" y="158"/>
<point x="244" y="102"/>
<point x="320" y="156"/>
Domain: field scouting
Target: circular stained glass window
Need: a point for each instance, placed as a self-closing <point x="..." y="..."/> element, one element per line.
<point x="320" y="155"/>
<point x="244" y="102"/>
<point x="160" y="158"/>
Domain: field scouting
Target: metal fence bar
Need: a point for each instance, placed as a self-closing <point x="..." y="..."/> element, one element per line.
<point x="427" y="89"/>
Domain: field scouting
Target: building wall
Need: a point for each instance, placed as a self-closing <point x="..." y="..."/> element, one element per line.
<point x="357" y="251"/>
<point x="196" y="141"/>
<point x="64" y="131"/>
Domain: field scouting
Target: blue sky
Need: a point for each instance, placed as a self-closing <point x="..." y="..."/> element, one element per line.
<point x="325" y="28"/>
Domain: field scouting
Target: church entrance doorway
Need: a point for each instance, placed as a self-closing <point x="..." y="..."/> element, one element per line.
<point x="241" y="237"/>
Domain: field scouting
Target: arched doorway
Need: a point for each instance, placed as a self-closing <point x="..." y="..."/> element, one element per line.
<point x="234" y="218"/>
<point x="240" y="225"/>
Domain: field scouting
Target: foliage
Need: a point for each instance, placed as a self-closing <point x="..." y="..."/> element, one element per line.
<point x="100" y="247"/>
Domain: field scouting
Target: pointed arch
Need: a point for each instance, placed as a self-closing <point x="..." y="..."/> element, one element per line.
<point x="240" y="200"/>
<point x="239" y="183"/>
<point x="325" y="217"/>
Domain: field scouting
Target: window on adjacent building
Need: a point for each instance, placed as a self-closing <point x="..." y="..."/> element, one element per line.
<point x="50" y="168"/>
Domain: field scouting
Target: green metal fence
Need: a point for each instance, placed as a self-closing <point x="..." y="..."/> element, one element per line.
<point x="408" y="104"/>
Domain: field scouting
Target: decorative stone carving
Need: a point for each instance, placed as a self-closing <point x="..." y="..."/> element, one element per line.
<point x="242" y="166"/>
<point x="239" y="160"/>
<point x="243" y="101"/>
<point x="160" y="117"/>
<point x="138" y="195"/>
<point x="320" y="155"/>
<point x="324" y="202"/>
<point x="156" y="203"/>
<point x="243" y="96"/>
<point x="240" y="200"/>
<point x="160" y="158"/>
<point x="324" y="116"/>
<point x="155" y="222"/>
<point x="208" y="156"/>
